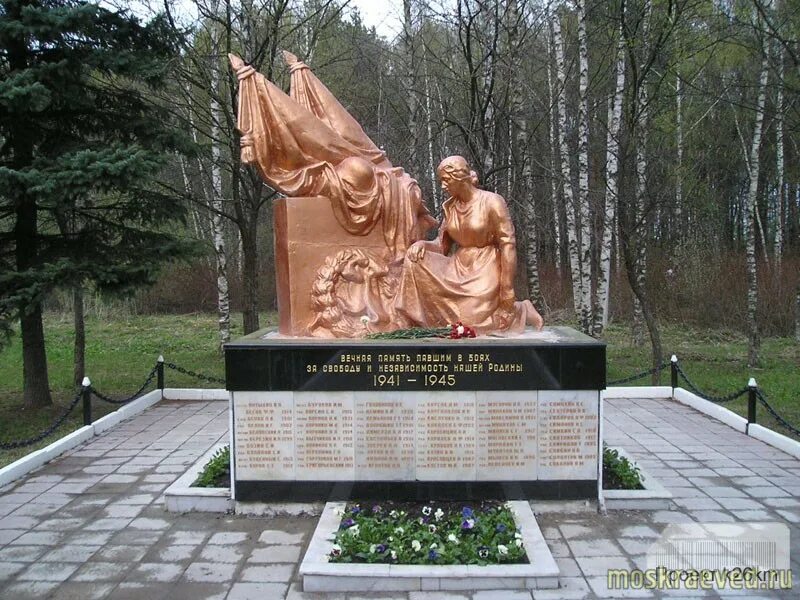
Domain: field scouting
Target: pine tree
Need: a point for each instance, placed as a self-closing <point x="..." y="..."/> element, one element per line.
<point x="80" y="143"/>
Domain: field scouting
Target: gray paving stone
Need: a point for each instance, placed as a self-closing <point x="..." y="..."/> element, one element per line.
<point x="108" y="524"/>
<point x="186" y="538"/>
<point x="599" y="565"/>
<point x="136" y="590"/>
<point x="35" y="590"/>
<point x="228" y="538"/>
<point x="740" y="504"/>
<point x="502" y="595"/>
<point x="272" y="536"/>
<point x="149" y="572"/>
<point x="222" y="554"/>
<point x="209" y="572"/>
<point x="9" y="535"/>
<point x="18" y="522"/>
<point x="596" y="547"/>
<point x="571" y="588"/>
<point x="275" y="554"/>
<point x="103" y="571"/>
<point x="8" y="569"/>
<point x="82" y="591"/>
<point x="48" y="571"/>
<point x="639" y="531"/>
<point x="268" y="573"/>
<point x="259" y="591"/>
<point x="201" y="591"/>
<point x="38" y="538"/>
<point x="70" y="553"/>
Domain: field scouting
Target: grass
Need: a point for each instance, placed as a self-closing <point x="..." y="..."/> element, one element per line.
<point x="122" y="349"/>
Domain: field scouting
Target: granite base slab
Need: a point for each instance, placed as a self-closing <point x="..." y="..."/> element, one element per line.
<point x="319" y="575"/>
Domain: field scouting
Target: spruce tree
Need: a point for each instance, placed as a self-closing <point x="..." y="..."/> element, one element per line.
<point x="81" y="143"/>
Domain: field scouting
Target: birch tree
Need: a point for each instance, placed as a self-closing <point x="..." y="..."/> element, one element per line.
<point x="612" y="188"/>
<point x="576" y="269"/>
<point x="753" y="338"/>
<point x="584" y="235"/>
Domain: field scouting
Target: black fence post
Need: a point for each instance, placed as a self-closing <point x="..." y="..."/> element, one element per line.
<point x="674" y="373"/>
<point x="86" y="392"/>
<point x="751" y="401"/>
<point x="160" y="372"/>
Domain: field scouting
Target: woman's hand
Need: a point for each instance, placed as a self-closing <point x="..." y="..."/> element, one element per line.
<point x="416" y="252"/>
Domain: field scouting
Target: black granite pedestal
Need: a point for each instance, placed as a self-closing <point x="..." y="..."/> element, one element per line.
<point x="309" y="414"/>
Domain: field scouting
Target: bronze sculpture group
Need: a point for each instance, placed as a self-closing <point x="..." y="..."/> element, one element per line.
<point x="306" y="144"/>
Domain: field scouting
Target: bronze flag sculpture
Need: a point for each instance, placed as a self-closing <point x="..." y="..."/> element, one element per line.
<point x="373" y="271"/>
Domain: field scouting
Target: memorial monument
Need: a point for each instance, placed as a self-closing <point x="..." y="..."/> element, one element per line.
<point x="512" y="412"/>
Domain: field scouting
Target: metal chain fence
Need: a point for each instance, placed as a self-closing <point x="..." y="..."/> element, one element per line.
<point x="133" y="396"/>
<point x="38" y="438"/>
<point x="200" y="376"/>
<point x="715" y="399"/>
<point x="775" y="414"/>
<point x="646" y="373"/>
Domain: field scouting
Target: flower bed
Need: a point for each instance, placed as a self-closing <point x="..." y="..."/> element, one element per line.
<point x="432" y="534"/>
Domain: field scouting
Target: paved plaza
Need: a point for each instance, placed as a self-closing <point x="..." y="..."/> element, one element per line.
<point x="92" y="523"/>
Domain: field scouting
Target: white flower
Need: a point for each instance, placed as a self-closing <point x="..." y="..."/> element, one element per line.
<point x="354" y="530"/>
<point x="394" y="555"/>
<point x="399" y="530"/>
<point x="518" y="535"/>
<point x="438" y="514"/>
<point x="518" y="542"/>
<point x="372" y="548"/>
<point x="434" y="546"/>
<point x="337" y="550"/>
<point x="452" y="538"/>
<point x="420" y="521"/>
<point x="426" y="510"/>
<point x="415" y="545"/>
<point x="432" y="528"/>
<point x="502" y="550"/>
<point x="402" y="513"/>
<point x="391" y="539"/>
<point x="460" y="330"/>
<point x="393" y="514"/>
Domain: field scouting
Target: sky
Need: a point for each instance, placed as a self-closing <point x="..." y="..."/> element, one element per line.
<point x="385" y="15"/>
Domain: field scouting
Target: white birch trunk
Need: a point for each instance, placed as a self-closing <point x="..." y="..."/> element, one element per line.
<point x="611" y="191"/>
<point x="410" y="95"/>
<point x="431" y="163"/>
<point x="569" y="200"/>
<point x="754" y="341"/>
<point x="584" y="237"/>
<point x="678" y="211"/>
<point x="551" y="127"/>
<point x="779" y="166"/>
<point x="217" y="231"/>
<point x="640" y="266"/>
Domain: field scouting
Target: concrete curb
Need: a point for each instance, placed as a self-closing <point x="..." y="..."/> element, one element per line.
<point x="712" y="410"/>
<point x="774" y="439"/>
<point x="319" y="575"/>
<point x="649" y="391"/>
<point x="654" y="496"/>
<point x="36" y="459"/>
<point x="196" y="394"/>
<point x="182" y="497"/>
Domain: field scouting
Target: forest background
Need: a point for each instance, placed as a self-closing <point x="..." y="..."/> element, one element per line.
<point x="648" y="150"/>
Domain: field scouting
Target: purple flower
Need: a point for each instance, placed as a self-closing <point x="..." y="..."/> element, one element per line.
<point x="468" y="524"/>
<point x="355" y="510"/>
<point x="380" y="548"/>
<point x="467" y="513"/>
<point x="433" y="555"/>
<point x="376" y="509"/>
<point x="347" y="523"/>
<point x="500" y="528"/>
